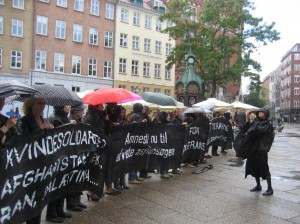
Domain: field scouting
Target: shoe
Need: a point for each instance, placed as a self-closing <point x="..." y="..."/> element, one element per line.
<point x="119" y="188"/>
<point x="81" y="205"/>
<point x="55" y="219"/>
<point x="118" y="192"/>
<point x="171" y="175"/>
<point x="208" y="157"/>
<point x="215" y="154"/>
<point x="75" y="209"/>
<point x="114" y="193"/>
<point x="268" y="192"/>
<point x="177" y="172"/>
<point x="165" y="176"/>
<point x="93" y="197"/>
<point x="256" y="188"/>
<point x="65" y="215"/>
<point x="145" y="176"/>
<point x="203" y="161"/>
<point x="140" y="179"/>
<point x="134" y="182"/>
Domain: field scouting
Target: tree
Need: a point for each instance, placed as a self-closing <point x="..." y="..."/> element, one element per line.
<point x="256" y="95"/>
<point x="223" y="38"/>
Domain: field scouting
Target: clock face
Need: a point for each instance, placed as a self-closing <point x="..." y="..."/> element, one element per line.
<point x="191" y="60"/>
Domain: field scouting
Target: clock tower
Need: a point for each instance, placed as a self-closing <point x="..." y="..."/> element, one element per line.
<point x="189" y="87"/>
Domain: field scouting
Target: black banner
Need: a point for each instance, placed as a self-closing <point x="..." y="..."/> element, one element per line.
<point x="195" y="140"/>
<point x="40" y="168"/>
<point x="146" y="145"/>
<point x="220" y="133"/>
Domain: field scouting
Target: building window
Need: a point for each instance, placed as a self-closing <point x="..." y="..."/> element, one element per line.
<point x="109" y="11"/>
<point x="157" y="47"/>
<point x="93" y="36"/>
<point x="169" y="24"/>
<point x="122" y="86"/>
<point x="59" y="62"/>
<point x="107" y="69"/>
<point x="296" y="91"/>
<point x="1" y="24"/>
<point x="296" y="67"/>
<point x="76" y="65"/>
<point x="146" y="69"/>
<point x="296" y="103"/>
<point x="136" y="19"/>
<point x="40" y="60"/>
<point x="146" y="89"/>
<point x="167" y="92"/>
<point x="108" y="42"/>
<point x="296" y="78"/>
<point x="17" y="28"/>
<point x="61" y="3"/>
<point x="46" y="1"/>
<point x="135" y="43"/>
<point x="124" y="15"/>
<point x="79" y="5"/>
<point x="60" y="30"/>
<point x="0" y="57"/>
<point x="168" y="49"/>
<point x="156" y="90"/>
<point x="123" y="40"/>
<point x="122" y="65"/>
<point x="92" y="66"/>
<point x="297" y="56"/>
<point x="77" y="33"/>
<point x="42" y="25"/>
<point x="134" y="67"/>
<point x="95" y="7"/>
<point x="18" y="4"/>
<point x="158" y="26"/>
<point x="147" y="45"/>
<point x="148" y="20"/>
<point x="16" y="59"/>
<point x="167" y="73"/>
<point x="76" y="89"/>
<point x="157" y="71"/>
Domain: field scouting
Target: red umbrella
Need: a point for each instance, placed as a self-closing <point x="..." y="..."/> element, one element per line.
<point x="109" y="95"/>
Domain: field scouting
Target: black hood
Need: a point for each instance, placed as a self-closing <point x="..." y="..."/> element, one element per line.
<point x="137" y="108"/>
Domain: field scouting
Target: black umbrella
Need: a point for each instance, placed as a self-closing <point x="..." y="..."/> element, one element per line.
<point x="13" y="87"/>
<point x="56" y="95"/>
<point x="159" y="99"/>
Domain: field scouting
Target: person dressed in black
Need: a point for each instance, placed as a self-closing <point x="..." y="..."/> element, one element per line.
<point x="259" y="136"/>
<point x="214" y="147"/>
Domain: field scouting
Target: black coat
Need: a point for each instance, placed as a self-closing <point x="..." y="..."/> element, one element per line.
<point x="10" y="133"/>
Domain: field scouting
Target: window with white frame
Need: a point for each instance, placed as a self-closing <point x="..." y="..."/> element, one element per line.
<point x="79" y="5"/>
<point x="296" y="103"/>
<point x="147" y="45"/>
<point x="297" y="56"/>
<point x="134" y="67"/>
<point x="148" y="20"/>
<point x="108" y="42"/>
<point x="136" y="19"/>
<point x="168" y="49"/>
<point x="123" y="40"/>
<point x="158" y="47"/>
<point x="0" y="57"/>
<point x="107" y="69"/>
<point x="1" y="25"/>
<point x="76" y="65"/>
<point x="17" y="28"/>
<point x="167" y="92"/>
<point x="124" y="15"/>
<point x="93" y="36"/>
<point x="42" y="25"/>
<point x="122" y="86"/>
<point x="167" y="73"/>
<point x="296" y="67"/>
<point x="122" y="65"/>
<point x="296" y="78"/>
<point x="109" y="11"/>
<point x="61" y="3"/>
<point x="59" y="62"/>
<point x="157" y="71"/>
<point x="93" y="66"/>
<point x="18" y="4"/>
<point x="16" y="59"/>
<point x="46" y="1"/>
<point x="146" y="89"/>
<point x="60" y="29"/>
<point x="156" y="90"/>
<point x="77" y="32"/>
<point x="95" y="7"/>
<point x="135" y="43"/>
<point x="146" y="69"/>
<point x="169" y="24"/>
<point x="296" y="91"/>
<point x="158" y="26"/>
<point x="40" y="60"/>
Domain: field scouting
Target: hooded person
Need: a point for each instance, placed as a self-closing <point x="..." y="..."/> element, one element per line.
<point x="258" y="139"/>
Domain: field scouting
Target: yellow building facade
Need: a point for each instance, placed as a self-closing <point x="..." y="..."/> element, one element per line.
<point x="141" y="49"/>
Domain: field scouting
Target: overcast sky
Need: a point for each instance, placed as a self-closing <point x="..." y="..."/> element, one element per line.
<point x="286" y="15"/>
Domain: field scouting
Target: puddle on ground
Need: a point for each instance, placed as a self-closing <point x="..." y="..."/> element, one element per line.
<point x="236" y="162"/>
<point x="295" y="177"/>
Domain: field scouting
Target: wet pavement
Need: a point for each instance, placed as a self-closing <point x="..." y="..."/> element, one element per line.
<point x="219" y="195"/>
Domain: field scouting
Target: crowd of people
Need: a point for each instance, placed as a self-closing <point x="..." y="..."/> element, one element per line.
<point x="103" y="117"/>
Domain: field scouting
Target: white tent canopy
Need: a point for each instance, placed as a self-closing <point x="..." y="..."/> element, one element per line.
<point x="210" y="103"/>
<point x="241" y="105"/>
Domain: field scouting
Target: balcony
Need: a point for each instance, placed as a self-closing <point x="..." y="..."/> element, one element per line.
<point x="160" y="9"/>
<point x="138" y="3"/>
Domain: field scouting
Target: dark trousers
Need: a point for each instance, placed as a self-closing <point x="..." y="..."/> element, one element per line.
<point x="214" y="149"/>
<point x="35" y="220"/>
<point x="55" y="208"/>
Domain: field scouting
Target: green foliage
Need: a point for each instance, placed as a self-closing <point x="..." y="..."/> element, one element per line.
<point x="256" y="96"/>
<point x="222" y="39"/>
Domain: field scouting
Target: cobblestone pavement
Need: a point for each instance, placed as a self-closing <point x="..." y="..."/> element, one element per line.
<point x="219" y="195"/>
